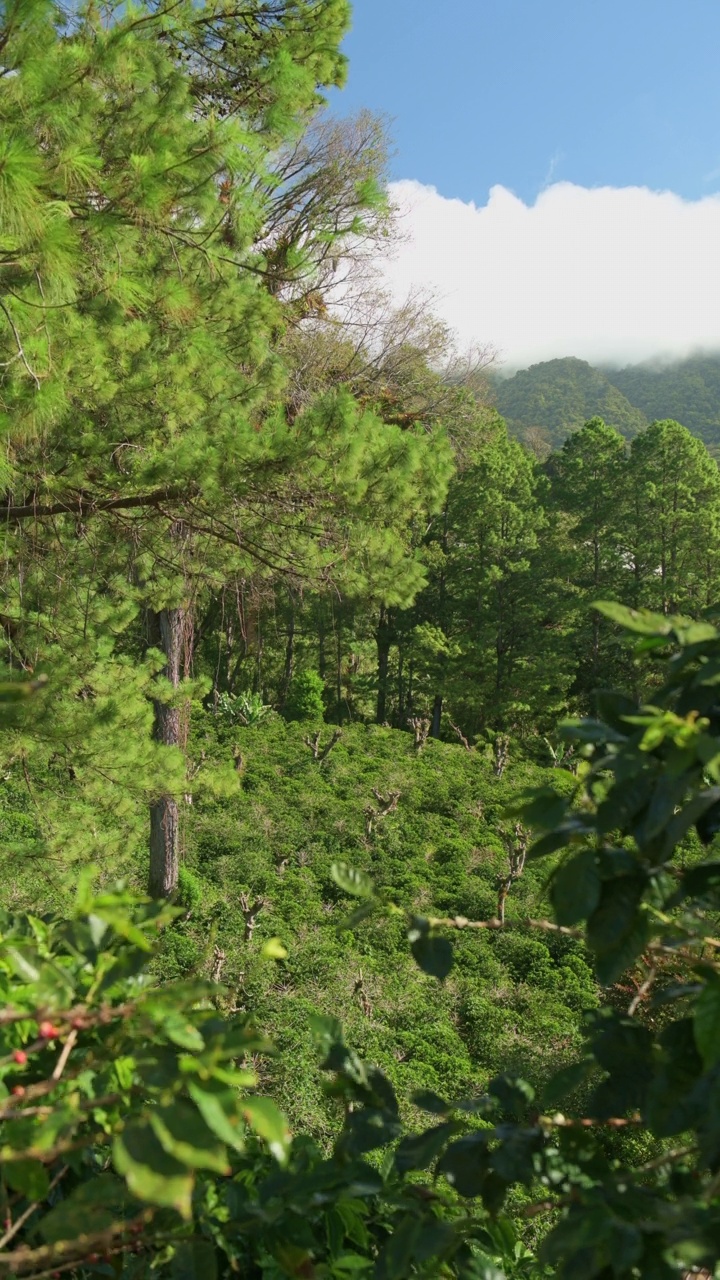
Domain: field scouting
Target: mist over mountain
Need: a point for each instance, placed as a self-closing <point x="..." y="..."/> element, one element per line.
<point x="544" y="403"/>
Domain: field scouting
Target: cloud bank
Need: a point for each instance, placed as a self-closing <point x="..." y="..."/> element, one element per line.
<point x="608" y="274"/>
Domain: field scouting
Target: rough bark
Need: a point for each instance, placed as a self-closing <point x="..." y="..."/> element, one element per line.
<point x="289" y="652"/>
<point x="168" y="632"/>
<point x="436" y="716"/>
<point x="383" y="639"/>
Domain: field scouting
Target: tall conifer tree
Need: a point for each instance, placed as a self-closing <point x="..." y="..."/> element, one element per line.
<point x="140" y="388"/>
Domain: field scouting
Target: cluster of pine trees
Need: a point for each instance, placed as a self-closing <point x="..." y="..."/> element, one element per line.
<point x="501" y="636"/>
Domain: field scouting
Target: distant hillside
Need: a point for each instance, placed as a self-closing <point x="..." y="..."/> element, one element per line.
<point x="544" y="403"/>
<point x="688" y="391"/>
<point x="556" y="397"/>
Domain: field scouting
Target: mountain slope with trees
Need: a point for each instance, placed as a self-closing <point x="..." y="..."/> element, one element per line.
<point x="543" y="403"/>
<point x="687" y="390"/>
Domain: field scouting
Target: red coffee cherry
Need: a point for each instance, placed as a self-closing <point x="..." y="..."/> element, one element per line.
<point x="19" y="1056"/>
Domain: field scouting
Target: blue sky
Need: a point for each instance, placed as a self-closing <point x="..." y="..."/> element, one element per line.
<point x="523" y="92"/>
<point x="537" y="146"/>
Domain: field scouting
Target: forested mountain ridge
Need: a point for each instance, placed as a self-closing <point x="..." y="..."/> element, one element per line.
<point x="688" y="391"/>
<point x="544" y="403"/>
<point x="557" y="396"/>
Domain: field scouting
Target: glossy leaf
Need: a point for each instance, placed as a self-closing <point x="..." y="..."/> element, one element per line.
<point x="350" y="880"/>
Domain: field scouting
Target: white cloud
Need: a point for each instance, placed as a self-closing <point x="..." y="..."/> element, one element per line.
<point x="606" y="274"/>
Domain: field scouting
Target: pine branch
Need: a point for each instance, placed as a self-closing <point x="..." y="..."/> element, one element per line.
<point x="88" y="505"/>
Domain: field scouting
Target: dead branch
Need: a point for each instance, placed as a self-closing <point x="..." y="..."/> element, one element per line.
<point x="501" y="748"/>
<point x="87" y="504"/>
<point x="388" y="804"/>
<point x="517" y="854"/>
<point x="250" y="912"/>
<point x="420" y="726"/>
<point x="219" y="958"/>
<point x="321" y="753"/>
<point x="460" y="735"/>
<point x="362" y="996"/>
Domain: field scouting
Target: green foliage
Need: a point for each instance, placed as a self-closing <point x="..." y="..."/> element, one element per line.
<point x="242" y="708"/>
<point x="558" y="396"/>
<point x="305" y="697"/>
<point x="549" y="400"/>
<point x="686" y="390"/>
<point x="189" y="891"/>
<point x="150" y="1147"/>
<point x="190" y="522"/>
<point x="651" y="1068"/>
<point x="149" y="459"/>
<point x="286" y="838"/>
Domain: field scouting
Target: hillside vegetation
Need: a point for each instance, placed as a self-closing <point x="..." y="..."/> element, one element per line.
<point x="557" y="396"/>
<point x="544" y="403"/>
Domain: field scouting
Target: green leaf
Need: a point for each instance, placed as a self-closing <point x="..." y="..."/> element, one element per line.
<point x="693" y="812"/>
<point x="269" y="1123"/>
<point x="351" y="1264"/>
<point x="589" y="730"/>
<point x="350" y="880"/>
<point x="566" y="1081"/>
<point x="590" y="1240"/>
<point x="513" y="1093"/>
<point x="28" y="1177"/>
<point x="700" y="881"/>
<point x="184" y="1134"/>
<point x="218" y="1106"/>
<point x="572" y="828"/>
<point x="575" y="889"/>
<point x="434" y="955"/>
<point x="429" y="1101"/>
<point x="616" y="912"/>
<point x="641" y="621"/>
<point x="273" y="949"/>
<point x="707" y="1022"/>
<point x="615" y="959"/>
<point x="541" y="807"/>
<point x="417" y="1151"/>
<point x="181" y="1031"/>
<point x="396" y="1256"/>
<point x="102" y="1200"/>
<point x="194" y="1260"/>
<point x="465" y="1164"/>
<point x="356" y="917"/>
<point x="98" y="928"/>
<point x="26" y="963"/>
<point x="151" y="1174"/>
<point x="84" y="890"/>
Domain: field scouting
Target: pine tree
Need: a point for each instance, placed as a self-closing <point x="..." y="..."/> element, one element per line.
<point x="587" y="505"/>
<point x="673" y="521"/>
<point x="141" y="391"/>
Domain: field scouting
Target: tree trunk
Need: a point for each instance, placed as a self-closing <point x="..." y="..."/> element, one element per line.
<point x="168" y="632"/>
<point x="383" y="638"/>
<point x="289" y="653"/>
<point x="338" y="673"/>
<point x="436" y="714"/>
<point x="322" y="658"/>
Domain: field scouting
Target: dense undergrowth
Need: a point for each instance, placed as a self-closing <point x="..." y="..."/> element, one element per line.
<point x="513" y="1000"/>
